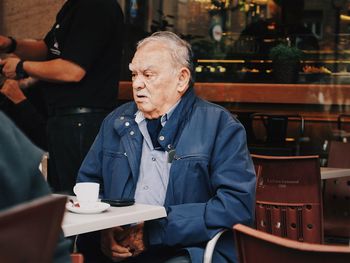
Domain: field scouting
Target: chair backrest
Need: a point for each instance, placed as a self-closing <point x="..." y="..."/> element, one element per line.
<point x="276" y="126"/>
<point x="337" y="193"/>
<point x="276" y="134"/>
<point x="342" y="133"/>
<point x="254" y="246"/>
<point x="29" y="232"/>
<point x="288" y="197"/>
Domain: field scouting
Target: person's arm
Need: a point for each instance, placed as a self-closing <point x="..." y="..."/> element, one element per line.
<point x="12" y="91"/>
<point x="25" y="114"/>
<point x="56" y="70"/>
<point x="232" y="177"/>
<point x="26" y="49"/>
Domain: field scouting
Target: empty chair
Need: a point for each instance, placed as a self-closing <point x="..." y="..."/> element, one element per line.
<point x="337" y="195"/>
<point x="343" y="128"/>
<point x="30" y="231"/>
<point x="270" y="132"/>
<point x="288" y="197"/>
<point x="254" y="246"/>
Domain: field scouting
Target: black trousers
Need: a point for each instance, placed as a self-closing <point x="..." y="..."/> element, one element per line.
<point x="69" y="140"/>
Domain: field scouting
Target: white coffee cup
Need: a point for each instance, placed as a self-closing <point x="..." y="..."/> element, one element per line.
<point x="87" y="194"/>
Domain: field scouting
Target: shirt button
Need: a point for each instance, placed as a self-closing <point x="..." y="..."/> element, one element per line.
<point x="153" y="159"/>
<point x="161" y="138"/>
<point x="132" y="133"/>
<point x="127" y="124"/>
<point x="145" y="187"/>
<point x="122" y="117"/>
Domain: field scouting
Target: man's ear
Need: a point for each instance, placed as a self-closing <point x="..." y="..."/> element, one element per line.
<point x="184" y="80"/>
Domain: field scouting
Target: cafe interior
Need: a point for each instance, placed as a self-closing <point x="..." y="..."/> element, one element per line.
<point x="282" y="68"/>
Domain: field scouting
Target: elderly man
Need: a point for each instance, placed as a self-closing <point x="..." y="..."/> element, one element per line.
<point x="170" y="148"/>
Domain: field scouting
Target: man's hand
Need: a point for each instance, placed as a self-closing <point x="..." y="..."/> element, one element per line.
<point x="111" y="246"/>
<point x="9" y="67"/>
<point x="5" y="43"/>
<point x="120" y="243"/>
<point x="12" y="91"/>
<point x="135" y="239"/>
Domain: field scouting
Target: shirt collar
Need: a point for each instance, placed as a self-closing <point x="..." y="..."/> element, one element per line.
<point x="139" y="117"/>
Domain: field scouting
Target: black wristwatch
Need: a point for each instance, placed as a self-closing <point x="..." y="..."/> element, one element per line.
<point x="12" y="47"/>
<point x="20" y="72"/>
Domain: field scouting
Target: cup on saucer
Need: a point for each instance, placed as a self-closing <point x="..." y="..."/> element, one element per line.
<point x="87" y="194"/>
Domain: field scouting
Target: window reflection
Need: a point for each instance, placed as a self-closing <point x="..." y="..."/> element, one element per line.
<point x="232" y="39"/>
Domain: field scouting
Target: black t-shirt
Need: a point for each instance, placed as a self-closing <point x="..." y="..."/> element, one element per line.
<point x="90" y="34"/>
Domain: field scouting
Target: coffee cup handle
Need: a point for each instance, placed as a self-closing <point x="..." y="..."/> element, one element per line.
<point x="75" y="190"/>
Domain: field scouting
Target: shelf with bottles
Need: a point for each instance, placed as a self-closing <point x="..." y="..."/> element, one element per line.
<point x="253" y="70"/>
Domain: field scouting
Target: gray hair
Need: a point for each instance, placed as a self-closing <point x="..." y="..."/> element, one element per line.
<point x="180" y="50"/>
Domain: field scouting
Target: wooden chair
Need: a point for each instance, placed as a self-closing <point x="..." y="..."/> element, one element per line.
<point x="29" y="231"/>
<point x="336" y="195"/>
<point x="255" y="246"/>
<point x="288" y="197"/>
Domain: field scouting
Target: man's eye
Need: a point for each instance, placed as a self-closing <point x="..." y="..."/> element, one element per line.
<point x="149" y="75"/>
<point x="133" y="75"/>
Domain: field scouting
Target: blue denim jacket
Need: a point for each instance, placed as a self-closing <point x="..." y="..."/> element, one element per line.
<point x="212" y="179"/>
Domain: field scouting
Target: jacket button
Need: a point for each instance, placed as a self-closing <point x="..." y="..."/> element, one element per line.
<point x="127" y="124"/>
<point x="132" y="133"/>
<point x="122" y="117"/>
<point x="161" y="138"/>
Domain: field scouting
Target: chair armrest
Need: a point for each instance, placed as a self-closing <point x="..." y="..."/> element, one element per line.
<point x="209" y="248"/>
<point x="77" y="258"/>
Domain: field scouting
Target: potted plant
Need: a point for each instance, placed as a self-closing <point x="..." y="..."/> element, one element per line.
<point x="285" y="63"/>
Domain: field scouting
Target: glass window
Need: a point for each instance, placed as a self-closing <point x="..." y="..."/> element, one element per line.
<point x="269" y="41"/>
<point x="281" y="57"/>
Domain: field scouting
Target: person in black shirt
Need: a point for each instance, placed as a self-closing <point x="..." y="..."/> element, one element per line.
<point x="78" y="63"/>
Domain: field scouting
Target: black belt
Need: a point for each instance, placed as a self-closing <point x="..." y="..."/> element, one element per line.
<point x="77" y="110"/>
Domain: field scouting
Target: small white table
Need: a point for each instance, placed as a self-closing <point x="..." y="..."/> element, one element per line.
<point x="74" y="224"/>
<point x="332" y="173"/>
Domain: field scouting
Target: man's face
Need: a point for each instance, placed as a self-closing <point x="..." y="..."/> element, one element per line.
<point x="155" y="80"/>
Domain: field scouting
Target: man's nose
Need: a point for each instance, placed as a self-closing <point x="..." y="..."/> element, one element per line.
<point x="138" y="83"/>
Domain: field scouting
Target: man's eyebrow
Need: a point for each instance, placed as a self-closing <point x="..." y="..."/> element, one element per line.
<point x="150" y="67"/>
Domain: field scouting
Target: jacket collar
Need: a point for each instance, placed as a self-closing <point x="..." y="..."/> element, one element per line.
<point x="126" y="120"/>
<point x="171" y="132"/>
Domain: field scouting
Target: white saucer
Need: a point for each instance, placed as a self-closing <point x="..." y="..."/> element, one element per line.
<point x="97" y="208"/>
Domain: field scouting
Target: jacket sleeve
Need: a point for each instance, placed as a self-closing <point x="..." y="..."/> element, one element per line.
<point x="232" y="178"/>
<point x="91" y="168"/>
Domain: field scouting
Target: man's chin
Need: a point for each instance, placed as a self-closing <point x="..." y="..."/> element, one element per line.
<point x="142" y="106"/>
